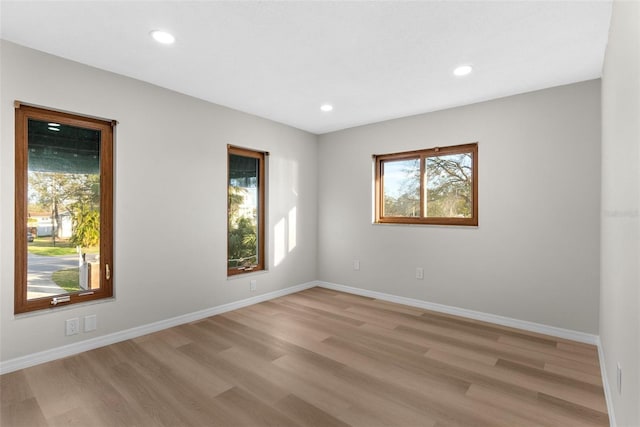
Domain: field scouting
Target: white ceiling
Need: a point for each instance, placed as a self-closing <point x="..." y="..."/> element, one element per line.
<point x="280" y="60"/>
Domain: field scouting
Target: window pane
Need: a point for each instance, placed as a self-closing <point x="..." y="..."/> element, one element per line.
<point x="431" y="186"/>
<point x="401" y="183"/>
<point x="63" y="209"/>
<point x="243" y="203"/>
<point x="449" y="186"/>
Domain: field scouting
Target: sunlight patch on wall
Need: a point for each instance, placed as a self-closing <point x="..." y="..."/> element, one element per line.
<point x="292" y="228"/>
<point x="279" y="243"/>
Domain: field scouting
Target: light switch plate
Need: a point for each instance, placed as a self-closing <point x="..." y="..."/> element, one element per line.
<point x="90" y="323"/>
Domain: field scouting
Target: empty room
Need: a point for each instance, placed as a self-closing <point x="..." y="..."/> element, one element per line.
<point x="320" y="213"/>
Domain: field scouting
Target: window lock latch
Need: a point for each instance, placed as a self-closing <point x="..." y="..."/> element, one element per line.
<point x="56" y="300"/>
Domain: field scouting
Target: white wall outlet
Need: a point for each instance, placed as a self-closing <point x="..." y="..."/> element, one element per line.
<point x="253" y="285"/>
<point x="619" y="378"/>
<point x="419" y="273"/>
<point x="90" y="323"/>
<point x="356" y="264"/>
<point x="72" y="326"/>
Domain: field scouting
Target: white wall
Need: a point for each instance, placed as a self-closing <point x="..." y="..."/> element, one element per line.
<point x="170" y="176"/>
<point x="620" y="283"/>
<point x="535" y="254"/>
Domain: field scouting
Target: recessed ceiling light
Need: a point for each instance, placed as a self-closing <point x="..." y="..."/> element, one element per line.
<point x="463" y="70"/>
<point x="54" y="124"/>
<point x="162" y="37"/>
<point x="54" y="129"/>
<point x="326" y="107"/>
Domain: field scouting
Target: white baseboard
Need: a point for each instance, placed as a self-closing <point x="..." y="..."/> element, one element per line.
<point x="500" y="320"/>
<point x="605" y="385"/>
<point x="471" y="314"/>
<point x="93" y="343"/>
<point x="90" y="344"/>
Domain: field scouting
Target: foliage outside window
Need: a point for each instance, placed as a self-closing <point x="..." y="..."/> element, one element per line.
<point x="64" y="209"/>
<point x="245" y="207"/>
<point x="431" y="186"/>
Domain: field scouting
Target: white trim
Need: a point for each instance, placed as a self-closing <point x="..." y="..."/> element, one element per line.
<point x="471" y="314"/>
<point x="605" y="385"/>
<point x="90" y="344"/>
<point x="500" y="320"/>
<point x="93" y="343"/>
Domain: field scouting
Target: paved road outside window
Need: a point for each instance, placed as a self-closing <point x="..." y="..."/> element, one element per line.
<point x="39" y="271"/>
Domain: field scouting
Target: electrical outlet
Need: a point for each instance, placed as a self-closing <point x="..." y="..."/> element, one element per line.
<point x="72" y="326"/>
<point x="253" y="285"/>
<point x="419" y="273"/>
<point x="619" y="378"/>
<point x="90" y="323"/>
<point x="356" y="264"/>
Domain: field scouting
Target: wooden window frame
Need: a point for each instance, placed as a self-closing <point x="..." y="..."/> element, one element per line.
<point x="261" y="156"/>
<point x="422" y="155"/>
<point x="22" y="115"/>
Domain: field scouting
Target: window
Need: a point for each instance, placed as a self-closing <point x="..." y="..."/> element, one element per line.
<point x="245" y="211"/>
<point x="433" y="186"/>
<point x="63" y="210"/>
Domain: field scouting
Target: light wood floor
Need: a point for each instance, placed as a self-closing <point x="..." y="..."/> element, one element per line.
<point x="320" y="358"/>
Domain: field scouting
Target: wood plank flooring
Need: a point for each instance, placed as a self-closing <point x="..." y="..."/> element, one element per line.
<point x="317" y="358"/>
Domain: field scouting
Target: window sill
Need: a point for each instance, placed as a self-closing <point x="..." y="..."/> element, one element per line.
<point x="60" y="308"/>
<point x="408" y="224"/>
<point x="249" y="274"/>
